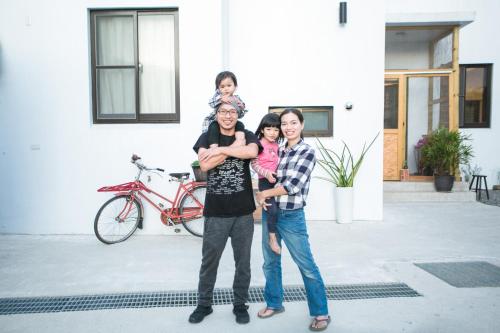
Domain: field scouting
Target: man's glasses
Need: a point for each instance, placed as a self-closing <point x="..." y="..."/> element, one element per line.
<point x="225" y="113"/>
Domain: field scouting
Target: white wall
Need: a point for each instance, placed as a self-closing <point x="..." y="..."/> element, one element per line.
<point x="401" y="55"/>
<point x="45" y="101"/>
<point x="477" y="44"/>
<point x="52" y="158"/>
<point x="296" y="53"/>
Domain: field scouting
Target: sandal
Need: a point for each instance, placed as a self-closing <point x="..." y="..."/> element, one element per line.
<point x="316" y="321"/>
<point x="270" y="314"/>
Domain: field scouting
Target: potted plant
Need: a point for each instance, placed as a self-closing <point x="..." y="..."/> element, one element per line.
<point x="341" y="170"/>
<point x="199" y="175"/>
<point x="444" y="151"/>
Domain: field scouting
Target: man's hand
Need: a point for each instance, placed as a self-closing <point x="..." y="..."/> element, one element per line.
<point x="208" y="153"/>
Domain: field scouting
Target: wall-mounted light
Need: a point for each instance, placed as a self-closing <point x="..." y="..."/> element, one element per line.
<point x="343" y="13"/>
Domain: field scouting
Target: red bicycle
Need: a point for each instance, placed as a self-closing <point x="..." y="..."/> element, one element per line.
<point x="120" y="216"/>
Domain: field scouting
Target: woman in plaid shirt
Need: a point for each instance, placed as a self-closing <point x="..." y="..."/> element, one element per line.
<point x="296" y="163"/>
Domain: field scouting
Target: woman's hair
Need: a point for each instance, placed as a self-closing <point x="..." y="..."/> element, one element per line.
<point x="224" y="75"/>
<point x="270" y="120"/>
<point x="295" y="112"/>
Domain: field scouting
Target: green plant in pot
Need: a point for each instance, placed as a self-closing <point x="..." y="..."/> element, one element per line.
<point x="444" y="151"/>
<point x="199" y="175"/>
<point x="342" y="170"/>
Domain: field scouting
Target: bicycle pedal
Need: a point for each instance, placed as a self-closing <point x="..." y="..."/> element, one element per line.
<point x="177" y="230"/>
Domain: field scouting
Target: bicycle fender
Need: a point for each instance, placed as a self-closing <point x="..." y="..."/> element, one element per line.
<point x="140" y="204"/>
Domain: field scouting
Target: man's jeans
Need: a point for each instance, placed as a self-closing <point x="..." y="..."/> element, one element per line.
<point x="217" y="230"/>
<point x="292" y="230"/>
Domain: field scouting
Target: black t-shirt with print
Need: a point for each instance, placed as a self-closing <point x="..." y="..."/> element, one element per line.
<point x="229" y="185"/>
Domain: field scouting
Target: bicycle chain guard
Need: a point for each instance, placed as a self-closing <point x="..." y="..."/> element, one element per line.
<point x="166" y="221"/>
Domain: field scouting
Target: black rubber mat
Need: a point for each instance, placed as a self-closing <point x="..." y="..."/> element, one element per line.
<point x="469" y="274"/>
<point x="9" y="306"/>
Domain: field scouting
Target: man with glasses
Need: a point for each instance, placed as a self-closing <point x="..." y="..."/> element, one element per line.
<point x="229" y="205"/>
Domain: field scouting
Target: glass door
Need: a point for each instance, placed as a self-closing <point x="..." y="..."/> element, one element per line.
<point x="428" y="108"/>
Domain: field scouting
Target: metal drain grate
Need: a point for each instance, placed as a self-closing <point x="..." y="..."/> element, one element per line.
<point x="222" y="296"/>
<point x="470" y="274"/>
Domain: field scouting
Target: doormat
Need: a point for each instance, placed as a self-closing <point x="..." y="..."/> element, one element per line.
<point x="469" y="274"/>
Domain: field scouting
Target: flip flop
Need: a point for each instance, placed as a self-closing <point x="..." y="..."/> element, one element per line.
<point x="272" y="313"/>
<point x="315" y="322"/>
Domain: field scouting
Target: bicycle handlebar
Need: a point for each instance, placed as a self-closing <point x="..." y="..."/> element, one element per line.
<point x="135" y="160"/>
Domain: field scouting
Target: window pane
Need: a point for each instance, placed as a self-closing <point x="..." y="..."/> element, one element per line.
<point x="315" y="120"/>
<point x="115" y="40"/>
<point x="474" y="110"/>
<point x="116" y="93"/>
<point x="440" y="102"/>
<point x="443" y="52"/>
<point x="157" y="63"/>
<point x="391" y="104"/>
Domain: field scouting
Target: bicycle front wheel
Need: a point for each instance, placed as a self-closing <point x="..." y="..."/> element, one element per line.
<point x="191" y="210"/>
<point x="117" y="219"/>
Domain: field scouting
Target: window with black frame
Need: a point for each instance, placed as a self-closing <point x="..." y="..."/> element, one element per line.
<point x="475" y="95"/>
<point x="135" y="66"/>
<point x="318" y="120"/>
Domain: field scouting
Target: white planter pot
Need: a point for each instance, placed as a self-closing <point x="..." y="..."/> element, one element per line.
<point x="343" y="204"/>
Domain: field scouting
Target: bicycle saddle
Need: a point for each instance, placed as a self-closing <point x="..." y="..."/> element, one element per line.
<point x="179" y="175"/>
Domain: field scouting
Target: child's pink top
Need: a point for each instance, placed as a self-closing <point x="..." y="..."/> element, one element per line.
<point x="268" y="159"/>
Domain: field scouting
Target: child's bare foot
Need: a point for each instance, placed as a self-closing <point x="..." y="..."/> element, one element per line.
<point x="273" y="243"/>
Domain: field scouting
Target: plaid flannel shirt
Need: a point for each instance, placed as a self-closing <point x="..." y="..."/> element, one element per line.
<point x="294" y="174"/>
<point x="214" y="103"/>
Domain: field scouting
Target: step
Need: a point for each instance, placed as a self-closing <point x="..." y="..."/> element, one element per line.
<point x="421" y="196"/>
<point x="421" y="187"/>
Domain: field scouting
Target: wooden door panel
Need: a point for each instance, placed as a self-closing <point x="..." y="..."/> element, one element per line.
<point x="391" y="165"/>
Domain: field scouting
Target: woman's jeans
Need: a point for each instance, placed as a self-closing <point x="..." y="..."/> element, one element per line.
<point x="292" y="230"/>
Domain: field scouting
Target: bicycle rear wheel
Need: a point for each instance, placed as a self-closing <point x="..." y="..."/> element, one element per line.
<point x="192" y="205"/>
<point x="117" y="219"/>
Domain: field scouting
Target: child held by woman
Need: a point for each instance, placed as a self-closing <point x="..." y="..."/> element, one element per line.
<point x="270" y="135"/>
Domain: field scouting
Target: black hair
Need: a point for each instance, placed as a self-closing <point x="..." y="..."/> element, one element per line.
<point x="295" y="112"/>
<point x="224" y="75"/>
<point x="270" y="120"/>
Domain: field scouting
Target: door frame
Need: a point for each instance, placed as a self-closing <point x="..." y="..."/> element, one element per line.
<point x="402" y="76"/>
<point x="401" y="130"/>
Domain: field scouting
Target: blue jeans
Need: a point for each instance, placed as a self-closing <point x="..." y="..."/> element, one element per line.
<point x="292" y="230"/>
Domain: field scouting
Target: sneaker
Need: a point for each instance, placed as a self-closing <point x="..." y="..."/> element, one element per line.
<point x="241" y="313"/>
<point x="200" y="313"/>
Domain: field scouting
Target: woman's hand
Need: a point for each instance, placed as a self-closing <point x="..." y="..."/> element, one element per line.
<point x="270" y="177"/>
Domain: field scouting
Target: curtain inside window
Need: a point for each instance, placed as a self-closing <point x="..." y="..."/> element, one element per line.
<point x="157" y="63"/>
<point x="115" y="47"/>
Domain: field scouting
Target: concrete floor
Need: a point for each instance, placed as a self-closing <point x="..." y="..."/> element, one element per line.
<point x="362" y="252"/>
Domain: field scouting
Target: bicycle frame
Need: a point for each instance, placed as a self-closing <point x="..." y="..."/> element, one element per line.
<point x="136" y="188"/>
